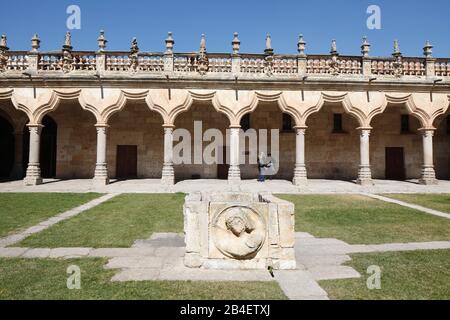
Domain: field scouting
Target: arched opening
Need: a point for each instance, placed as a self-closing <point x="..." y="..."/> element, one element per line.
<point x="332" y="144"/>
<point x="395" y="145"/>
<point x="48" y="148"/>
<point x="135" y="146"/>
<point x="441" y="147"/>
<point x="201" y="117"/>
<point x="275" y="137"/>
<point x="6" y="147"/>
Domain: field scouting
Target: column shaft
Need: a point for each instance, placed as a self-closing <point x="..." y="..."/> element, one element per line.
<point x="364" y="172"/>
<point x="33" y="175"/>
<point x="428" y="175"/>
<point x="234" y="172"/>
<point x="101" y="166"/>
<point x="168" y="175"/>
<point x="300" y="176"/>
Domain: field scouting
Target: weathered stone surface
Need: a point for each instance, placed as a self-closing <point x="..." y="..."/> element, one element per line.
<point x="238" y="230"/>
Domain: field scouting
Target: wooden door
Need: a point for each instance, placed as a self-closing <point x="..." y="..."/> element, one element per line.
<point x="126" y="165"/>
<point x="395" y="163"/>
<point x="222" y="169"/>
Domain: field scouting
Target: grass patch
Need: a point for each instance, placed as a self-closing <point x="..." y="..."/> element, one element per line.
<point x="362" y="220"/>
<point x="440" y="202"/>
<point x="422" y="274"/>
<point x="46" y="279"/>
<point x="22" y="210"/>
<point x="115" y="223"/>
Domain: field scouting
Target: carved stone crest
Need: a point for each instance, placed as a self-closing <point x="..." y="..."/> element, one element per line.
<point x="3" y="54"/>
<point x="134" y="58"/>
<point x="202" y="62"/>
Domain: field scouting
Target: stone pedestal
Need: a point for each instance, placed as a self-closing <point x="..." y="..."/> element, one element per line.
<point x="101" y="167"/>
<point x="364" y="172"/>
<point x="230" y="230"/>
<point x="234" y="172"/>
<point x="428" y="175"/>
<point x="33" y="175"/>
<point x="300" y="177"/>
<point x="168" y="175"/>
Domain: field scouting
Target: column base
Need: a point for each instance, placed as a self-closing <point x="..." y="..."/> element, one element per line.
<point x="100" y="181"/>
<point x="364" y="176"/>
<point x="168" y="175"/>
<point x="428" y="176"/>
<point x="32" y="181"/>
<point x="33" y="176"/>
<point x="300" y="176"/>
<point x="234" y="174"/>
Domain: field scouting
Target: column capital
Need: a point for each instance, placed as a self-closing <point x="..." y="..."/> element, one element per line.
<point x="168" y="126"/>
<point x="102" y="125"/>
<point x="234" y="126"/>
<point x="364" y="128"/>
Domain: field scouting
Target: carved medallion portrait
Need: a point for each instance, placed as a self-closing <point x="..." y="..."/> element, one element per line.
<point x="238" y="232"/>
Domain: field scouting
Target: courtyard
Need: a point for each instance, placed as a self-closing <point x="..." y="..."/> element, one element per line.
<point x="128" y="242"/>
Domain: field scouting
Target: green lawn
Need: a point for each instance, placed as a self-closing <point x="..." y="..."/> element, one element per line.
<point x="439" y="202"/>
<point x="22" y="210"/>
<point x="404" y="275"/>
<point x="47" y="279"/>
<point x="115" y="223"/>
<point x="361" y="220"/>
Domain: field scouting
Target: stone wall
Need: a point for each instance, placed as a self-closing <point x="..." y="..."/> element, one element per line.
<point x="137" y="125"/>
<point x="331" y="155"/>
<point x="76" y="141"/>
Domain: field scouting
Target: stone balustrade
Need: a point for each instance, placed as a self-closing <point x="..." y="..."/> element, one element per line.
<point x="242" y="65"/>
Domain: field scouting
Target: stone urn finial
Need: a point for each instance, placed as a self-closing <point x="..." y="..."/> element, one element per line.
<point x="101" y="41"/>
<point x="333" y="50"/>
<point x="428" y="50"/>
<point x="365" y="47"/>
<point x="269" y="49"/>
<point x="236" y="43"/>
<point x="301" y="45"/>
<point x="68" y="41"/>
<point x="396" y="49"/>
<point x="3" y="43"/>
<point x="203" y="44"/>
<point x="35" y="43"/>
<point x="169" y="43"/>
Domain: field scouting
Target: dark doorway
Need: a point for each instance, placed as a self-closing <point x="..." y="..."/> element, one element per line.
<point x="6" y="147"/>
<point x="395" y="163"/>
<point x="222" y="168"/>
<point x="126" y="165"/>
<point x="48" y="148"/>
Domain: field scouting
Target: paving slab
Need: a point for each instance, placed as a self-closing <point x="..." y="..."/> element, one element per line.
<point x="299" y="285"/>
<point x="37" y="253"/>
<point x="69" y="252"/>
<point x="333" y="272"/>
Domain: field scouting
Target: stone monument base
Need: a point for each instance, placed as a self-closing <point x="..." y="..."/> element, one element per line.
<point x="238" y="230"/>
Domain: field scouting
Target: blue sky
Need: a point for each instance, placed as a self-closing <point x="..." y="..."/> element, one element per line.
<point x="412" y="22"/>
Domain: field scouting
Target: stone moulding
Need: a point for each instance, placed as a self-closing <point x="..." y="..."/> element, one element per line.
<point x="238" y="230"/>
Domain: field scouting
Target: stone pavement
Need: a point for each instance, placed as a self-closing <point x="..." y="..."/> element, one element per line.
<point x="17" y="237"/>
<point x="161" y="258"/>
<point x="409" y="205"/>
<point x="317" y="186"/>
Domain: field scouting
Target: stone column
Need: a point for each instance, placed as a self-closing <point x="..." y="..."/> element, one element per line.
<point x="300" y="177"/>
<point x="168" y="175"/>
<point x="33" y="176"/>
<point x="234" y="173"/>
<point x="364" y="172"/>
<point x="428" y="175"/>
<point x="17" y="172"/>
<point x="101" y="166"/>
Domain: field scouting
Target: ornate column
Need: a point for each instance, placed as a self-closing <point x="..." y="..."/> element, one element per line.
<point x="168" y="175"/>
<point x="17" y="172"/>
<point x="428" y="175"/>
<point x="101" y="166"/>
<point x="364" y="172"/>
<point x="300" y="177"/>
<point x="33" y="176"/>
<point x="234" y="173"/>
